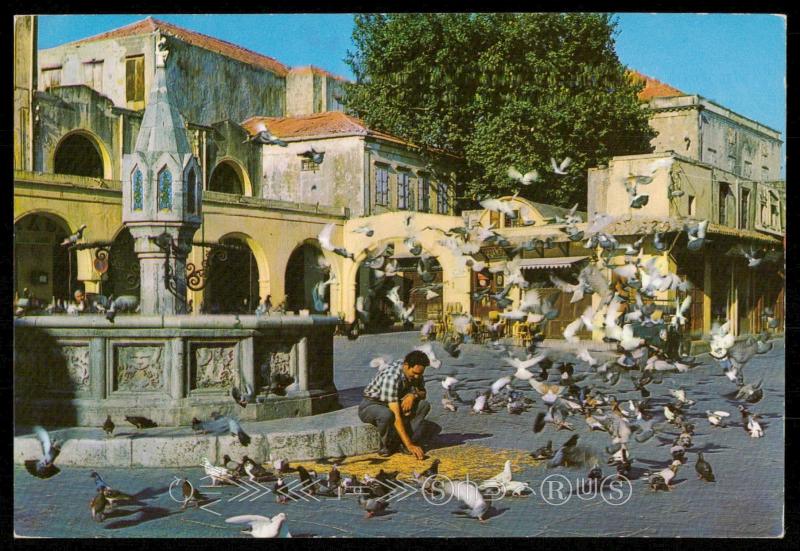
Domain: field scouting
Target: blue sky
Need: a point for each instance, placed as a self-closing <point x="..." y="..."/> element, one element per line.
<point x="738" y="61"/>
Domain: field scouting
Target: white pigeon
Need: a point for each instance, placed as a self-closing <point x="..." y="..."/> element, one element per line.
<point x="571" y="330"/>
<point x="655" y="166"/>
<point x="381" y="362"/>
<point x="467" y="493"/>
<point x="449" y="383"/>
<point x="480" y="403"/>
<point x="503" y="481"/>
<point x="550" y="393"/>
<point x="431" y="294"/>
<point x="461" y="323"/>
<point x="522" y="366"/>
<point x="583" y="354"/>
<point x="715" y="417"/>
<point x="365" y="229"/>
<point x="527" y="179"/>
<point x="627" y="271"/>
<point x="428" y="350"/>
<point x="679" y="319"/>
<point x="560" y="168"/>
<point x="628" y="341"/>
<point x="260" y="527"/>
<point x="498" y="205"/>
<point x="754" y="428"/>
<point x="217" y="474"/>
<point x="426" y="329"/>
<point x="500" y="383"/>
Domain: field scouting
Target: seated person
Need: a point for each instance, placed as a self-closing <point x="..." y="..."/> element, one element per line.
<point x="394" y="401"/>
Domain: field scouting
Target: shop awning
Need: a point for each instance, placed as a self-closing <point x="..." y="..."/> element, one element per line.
<point x="549" y="263"/>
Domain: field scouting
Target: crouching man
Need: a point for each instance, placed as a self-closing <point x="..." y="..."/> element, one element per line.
<point x="394" y="401"/>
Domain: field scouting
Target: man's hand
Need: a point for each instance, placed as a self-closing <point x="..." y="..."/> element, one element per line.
<point x="417" y="451"/>
<point x="407" y="403"/>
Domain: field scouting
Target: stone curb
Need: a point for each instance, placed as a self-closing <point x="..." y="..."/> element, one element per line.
<point x="334" y="434"/>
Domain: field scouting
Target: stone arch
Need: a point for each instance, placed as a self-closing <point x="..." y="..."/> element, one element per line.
<point x="229" y="176"/>
<point x="240" y="276"/>
<point x="302" y="275"/>
<point x="408" y="279"/>
<point x="123" y="275"/>
<point x="40" y="262"/>
<point x="82" y="153"/>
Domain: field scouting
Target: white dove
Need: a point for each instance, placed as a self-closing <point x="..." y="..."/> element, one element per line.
<point x="526" y="179"/>
<point x="715" y="417"/>
<point x="550" y="393"/>
<point x="428" y="350"/>
<point x="571" y="330"/>
<point x="449" y="383"/>
<point x="560" y="168"/>
<point x="522" y="366"/>
<point x="679" y="319"/>
<point x="260" y="527"/>
<point x="216" y="473"/>
<point x="500" y="383"/>
<point x="498" y="205"/>
<point x="381" y="362"/>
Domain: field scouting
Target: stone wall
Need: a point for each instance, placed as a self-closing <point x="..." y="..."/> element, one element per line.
<point x="76" y="370"/>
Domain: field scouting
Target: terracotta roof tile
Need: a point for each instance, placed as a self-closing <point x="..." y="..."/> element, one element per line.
<point x="654" y="88"/>
<point x="318" y="124"/>
<point x="150" y="25"/>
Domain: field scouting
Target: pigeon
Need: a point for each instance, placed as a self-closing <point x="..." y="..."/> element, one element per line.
<point x="264" y="136"/>
<point x="190" y="494"/>
<point x="560" y="168"/>
<point x="696" y="235"/>
<point x="242" y="398"/>
<point x="112" y="495"/>
<point x="98" y="506"/>
<point x="543" y="453"/>
<point x="260" y="526"/>
<point x="480" y="405"/>
<point x="428" y="350"/>
<point x="539" y="422"/>
<point x="279" y="381"/>
<point x="108" y="426"/>
<point x="751" y="425"/>
<point x="44" y="467"/>
<point x="703" y="469"/>
<point x="217" y="473"/>
<point x="561" y="457"/>
<point x="372" y="505"/>
<point x="715" y="417"/>
<point x="75" y="237"/>
<point x="468" y="495"/>
<point x="500" y="384"/>
<point x="140" y="422"/>
<point x="365" y="229"/>
<point x="255" y="472"/>
<point x="324" y="239"/>
<point x="281" y="493"/>
<point x="233" y="466"/>
<point x="662" y="479"/>
<point x="226" y="424"/>
<point x="527" y="179"/>
<point x="498" y="205"/>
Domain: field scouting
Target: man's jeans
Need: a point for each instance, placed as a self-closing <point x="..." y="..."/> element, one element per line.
<point x="378" y="414"/>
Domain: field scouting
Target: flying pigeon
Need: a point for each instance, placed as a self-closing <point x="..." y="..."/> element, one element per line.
<point x="260" y="526"/>
<point x="264" y="136"/>
<point x="44" y="467"/>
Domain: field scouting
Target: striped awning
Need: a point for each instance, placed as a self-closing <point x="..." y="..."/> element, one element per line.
<point x="549" y="263"/>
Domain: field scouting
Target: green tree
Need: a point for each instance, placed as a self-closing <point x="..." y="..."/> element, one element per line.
<point x="500" y="90"/>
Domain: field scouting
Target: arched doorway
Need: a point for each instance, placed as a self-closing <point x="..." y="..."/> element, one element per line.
<point x="232" y="286"/>
<point x="226" y="179"/>
<point x="41" y="264"/>
<point x="78" y="155"/>
<point x="303" y="272"/>
<point x="415" y="277"/>
<point x="122" y="277"/>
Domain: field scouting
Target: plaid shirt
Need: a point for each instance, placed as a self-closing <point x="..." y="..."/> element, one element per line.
<point x="390" y="384"/>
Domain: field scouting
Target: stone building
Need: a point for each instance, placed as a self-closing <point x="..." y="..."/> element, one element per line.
<point x="78" y="109"/>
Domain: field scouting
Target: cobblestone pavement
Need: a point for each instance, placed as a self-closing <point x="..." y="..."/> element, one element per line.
<point x="746" y="500"/>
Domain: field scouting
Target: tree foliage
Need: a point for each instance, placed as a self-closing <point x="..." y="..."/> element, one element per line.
<point x="497" y="90"/>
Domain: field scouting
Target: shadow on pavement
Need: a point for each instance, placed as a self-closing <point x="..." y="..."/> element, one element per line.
<point x="451" y="439"/>
<point x="145" y="514"/>
<point x="350" y="396"/>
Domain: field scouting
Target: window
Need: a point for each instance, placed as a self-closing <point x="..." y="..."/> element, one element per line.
<point x="165" y="190"/>
<point x="692" y="206"/>
<point x="403" y="190"/>
<point x="744" y="212"/>
<point x="381" y="186"/>
<point x="51" y="77"/>
<point x="134" y="79"/>
<point x="424" y="193"/>
<point x="764" y="210"/>
<point x="442" y="201"/>
<point x="724" y="192"/>
<point x="308" y="165"/>
<point x="732" y="163"/>
<point x="764" y="173"/>
<point x="191" y="193"/>
<point x="93" y="74"/>
<point x="137" y="195"/>
<point x="774" y="217"/>
<point x="748" y="169"/>
<point x="712" y="156"/>
<point x="509" y="222"/>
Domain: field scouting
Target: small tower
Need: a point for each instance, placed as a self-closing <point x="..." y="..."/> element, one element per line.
<point x="162" y="198"/>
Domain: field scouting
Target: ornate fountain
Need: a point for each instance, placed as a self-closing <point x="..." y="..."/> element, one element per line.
<point x="162" y="363"/>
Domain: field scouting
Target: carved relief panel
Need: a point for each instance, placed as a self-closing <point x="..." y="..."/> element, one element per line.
<point x="213" y="366"/>
<point x="138" y="368"/>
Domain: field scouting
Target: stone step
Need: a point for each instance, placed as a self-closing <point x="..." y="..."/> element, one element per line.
<point x="333" y="434"/>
